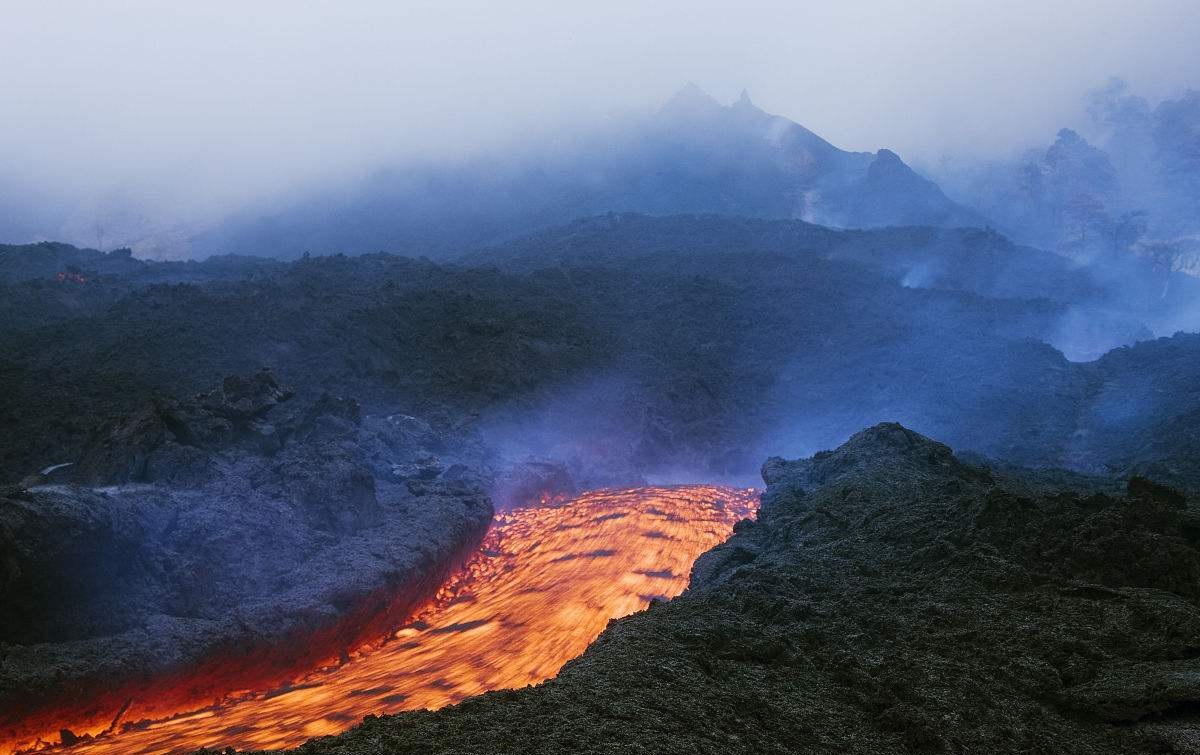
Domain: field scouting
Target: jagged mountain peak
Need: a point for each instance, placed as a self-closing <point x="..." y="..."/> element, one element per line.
<point x="888" y="165"/>
<point x="695" y="156"/>
<point x="691" y="100"/>
<point x="691" y="103"/>
<point x="885" y="156"/>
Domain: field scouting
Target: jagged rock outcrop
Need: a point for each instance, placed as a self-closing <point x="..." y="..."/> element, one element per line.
<point x="48" y="259"/>
<point x="890" y="598"/>
<point x="214" y="528"/>
<point x="168" y="440"/>
<point x="533" y="480"/>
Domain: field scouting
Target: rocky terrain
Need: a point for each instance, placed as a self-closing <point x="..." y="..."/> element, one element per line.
<point x="234" y="525"/>
<point x="890" y="597"/>
<point x="629" y="346"/>
<point x="143" y="531"/>
<point x="412" y="350"/>
<point x="65" y="263"/>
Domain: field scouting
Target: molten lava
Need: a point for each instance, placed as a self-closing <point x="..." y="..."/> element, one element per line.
<point x="543" y="585"/>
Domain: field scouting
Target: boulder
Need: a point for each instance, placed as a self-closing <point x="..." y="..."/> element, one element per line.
<point x="173" y="441"/>
<point x="531" y="481"/>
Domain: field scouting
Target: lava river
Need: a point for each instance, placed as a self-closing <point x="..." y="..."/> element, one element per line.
<point x="544" y="584"/>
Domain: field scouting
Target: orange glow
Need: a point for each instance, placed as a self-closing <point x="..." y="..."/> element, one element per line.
<point x="544" y="584"/>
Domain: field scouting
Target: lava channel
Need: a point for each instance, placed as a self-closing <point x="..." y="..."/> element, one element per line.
<point x="543" y="585"/>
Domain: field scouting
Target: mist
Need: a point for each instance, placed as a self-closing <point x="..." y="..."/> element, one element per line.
<point x="759" y="372"/>
<point x="148" y="117"/>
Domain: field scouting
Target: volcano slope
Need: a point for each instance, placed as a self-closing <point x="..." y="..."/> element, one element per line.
<point x="890" y="598"/>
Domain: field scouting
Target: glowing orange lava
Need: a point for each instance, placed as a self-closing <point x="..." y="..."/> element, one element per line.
<point x="544" y="584"/>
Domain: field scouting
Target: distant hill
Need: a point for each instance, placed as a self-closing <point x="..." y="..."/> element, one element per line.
<point x="50" y="260"/>
<point x="693" y="156"/>
<point x="680" y="346"/>
<point x="1126" y="183"/>
<point x="1102" y="305"/>
<point x="968" y="259"/>
<point x="19" y="262"/>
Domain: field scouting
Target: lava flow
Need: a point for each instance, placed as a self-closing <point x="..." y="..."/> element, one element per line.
<point x="544" y="584"/>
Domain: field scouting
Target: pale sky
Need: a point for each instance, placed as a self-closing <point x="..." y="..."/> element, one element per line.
<point x="217" y="101"/>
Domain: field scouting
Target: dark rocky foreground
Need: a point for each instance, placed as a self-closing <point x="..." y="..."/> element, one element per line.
<point x="890" y="598"/>
<point x="229" y="526"/>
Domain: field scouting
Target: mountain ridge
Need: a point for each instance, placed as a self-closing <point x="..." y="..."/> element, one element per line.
<point x="694" y="155"/>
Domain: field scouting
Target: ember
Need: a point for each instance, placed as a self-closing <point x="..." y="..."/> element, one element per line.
<point x="544" y="584"/>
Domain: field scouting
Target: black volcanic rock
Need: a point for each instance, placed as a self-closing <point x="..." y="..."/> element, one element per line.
<point x="173" y="440"/>
<point x="532" y="480"/>
<point x="49" y="260"/>
<point x="207" y="529"/>
<point x="244" y="398"/>
<point x="890" y="598"/>
<point x="74" y="269"/>
<point x="649" y="325"/>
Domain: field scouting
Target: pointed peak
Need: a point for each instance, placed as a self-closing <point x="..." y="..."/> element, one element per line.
<point x="886" y="156"/>
<point x="1070" y="136"/>
<point x="887" y="165"/>
<point x="744" y="100"/>
<point x="691" y="99"/>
